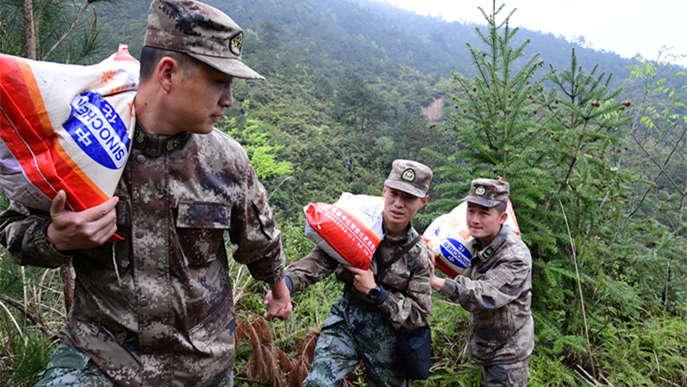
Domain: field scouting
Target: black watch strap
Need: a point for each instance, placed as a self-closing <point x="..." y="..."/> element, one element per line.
<point x="374" y="293"/>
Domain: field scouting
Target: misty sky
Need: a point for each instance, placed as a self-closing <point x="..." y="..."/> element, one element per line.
<point x="625" y="27"/>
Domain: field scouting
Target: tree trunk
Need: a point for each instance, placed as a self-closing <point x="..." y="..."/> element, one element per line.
<point x="29" y="29"/>
<point x="683" y="193"/>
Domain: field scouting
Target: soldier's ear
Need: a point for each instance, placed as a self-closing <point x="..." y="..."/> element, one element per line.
<point x="168" y="72"/>
<point x="504" y="216"/>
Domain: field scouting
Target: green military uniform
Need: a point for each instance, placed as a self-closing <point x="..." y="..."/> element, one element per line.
<point x="498" y="295"/>
<point x="157" y="308"/>
<point x="170" y="315"/>
<point x="358" y="328"/>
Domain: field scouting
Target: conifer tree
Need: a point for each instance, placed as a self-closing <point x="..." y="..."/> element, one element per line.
<point x="560" y="156"/>
<point x="550" y="149"/>
<point x="588" y="138"/>
<point x="49" y="30"/>
<point x="499" y="127"/>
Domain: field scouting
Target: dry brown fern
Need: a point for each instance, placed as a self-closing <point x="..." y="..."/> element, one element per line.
<point x="255" y="367"/>
<point x="270" y="365"/>
<point x="267" y="362"/>
<point x="302" y="362"/>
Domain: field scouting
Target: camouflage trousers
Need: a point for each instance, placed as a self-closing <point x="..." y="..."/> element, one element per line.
<point x="351" y="334"/>
<point x="69" y="367"/>
<point x="507" y="375"/>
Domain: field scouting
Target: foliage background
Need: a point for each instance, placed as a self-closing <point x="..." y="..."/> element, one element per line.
<point x="598" y="184"/>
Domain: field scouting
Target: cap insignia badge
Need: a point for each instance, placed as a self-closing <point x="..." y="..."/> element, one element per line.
<point x="480" y="190"/>
<point x="236" y="44"/>
<point x="408" y="175"/>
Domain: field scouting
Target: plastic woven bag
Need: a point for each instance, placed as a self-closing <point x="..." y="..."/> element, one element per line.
<point x="449" y="237"/>
<point x="65" y="127"/>
<point x="349" y="230"/>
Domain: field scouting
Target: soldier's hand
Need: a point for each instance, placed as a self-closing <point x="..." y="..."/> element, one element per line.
<point x="363" y="280"/>
<point x="86" y="229"/>
<point x="436" y="282"/>
<point x="432" y="262"/>
<point x="278" y="302"/>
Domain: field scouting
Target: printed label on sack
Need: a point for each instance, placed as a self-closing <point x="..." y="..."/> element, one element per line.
<point x="98" y="130"/>
<point x="455" y="252"/>
<point x="351" y="230"/>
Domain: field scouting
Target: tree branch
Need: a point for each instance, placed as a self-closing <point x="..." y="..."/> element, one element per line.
<point x="31" y="317"/>
<point x="579" y="287"/>
<point x="71" y="27"/>
<point x="662" y="171"/>
<point x="662" y="168"/>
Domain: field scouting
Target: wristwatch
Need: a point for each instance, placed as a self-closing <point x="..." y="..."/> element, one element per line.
<point x="374" y="293"/>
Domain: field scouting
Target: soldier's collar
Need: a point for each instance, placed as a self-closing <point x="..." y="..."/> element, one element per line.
<point x="487" y="252"/>
<point x="154" y="145"/>
<point x="397" y="241"/>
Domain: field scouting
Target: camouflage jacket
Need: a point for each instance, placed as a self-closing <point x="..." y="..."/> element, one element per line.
<point x="498" y="295"/>
<point x="409" y="302"/>
<point x="169" y="318"/>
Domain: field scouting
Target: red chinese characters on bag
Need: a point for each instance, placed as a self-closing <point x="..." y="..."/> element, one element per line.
<point x="349" y="230"/>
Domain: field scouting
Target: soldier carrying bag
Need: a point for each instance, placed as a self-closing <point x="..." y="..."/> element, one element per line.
<point x="415" y="345"/>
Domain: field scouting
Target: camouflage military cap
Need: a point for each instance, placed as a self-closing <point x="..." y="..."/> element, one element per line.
<point x="201" y="31"/>
<point x="488" y="192"/>
<point x="409" y="176"/>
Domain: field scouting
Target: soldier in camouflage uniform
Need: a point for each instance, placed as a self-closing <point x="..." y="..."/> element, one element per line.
<point x="360" y="326"/>
<point x="156" y="309"/>
<point x="498" y="290"/>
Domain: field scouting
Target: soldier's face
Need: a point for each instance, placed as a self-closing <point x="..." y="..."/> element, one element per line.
<point x="399" y="209"/>
<point x="484" y="223"/>
<point x="202" y="96"/>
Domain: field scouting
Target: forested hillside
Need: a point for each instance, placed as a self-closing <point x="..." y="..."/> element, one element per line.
<point x="597" y="166"/>
<point x="363" y="35"/>
<point x="354" y="75"/>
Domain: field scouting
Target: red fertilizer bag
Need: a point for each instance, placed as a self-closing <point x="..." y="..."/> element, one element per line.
<point x="449" y="237"/>
<point x="349" y="230"/>
<point x="65" y="127"/>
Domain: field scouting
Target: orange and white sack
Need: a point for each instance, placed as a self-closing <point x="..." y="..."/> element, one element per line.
<point x="349" y="230"/>
<point x="449" y="237"/>
<point x="65" y="127"/>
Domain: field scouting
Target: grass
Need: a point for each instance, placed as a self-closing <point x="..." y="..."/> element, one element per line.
<point x="646" y="351"/>
<point x="31" y="313"/>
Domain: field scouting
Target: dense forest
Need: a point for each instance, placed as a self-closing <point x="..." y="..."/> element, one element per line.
<point x="592" y="144"/>
<point x="345" y="73"/>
